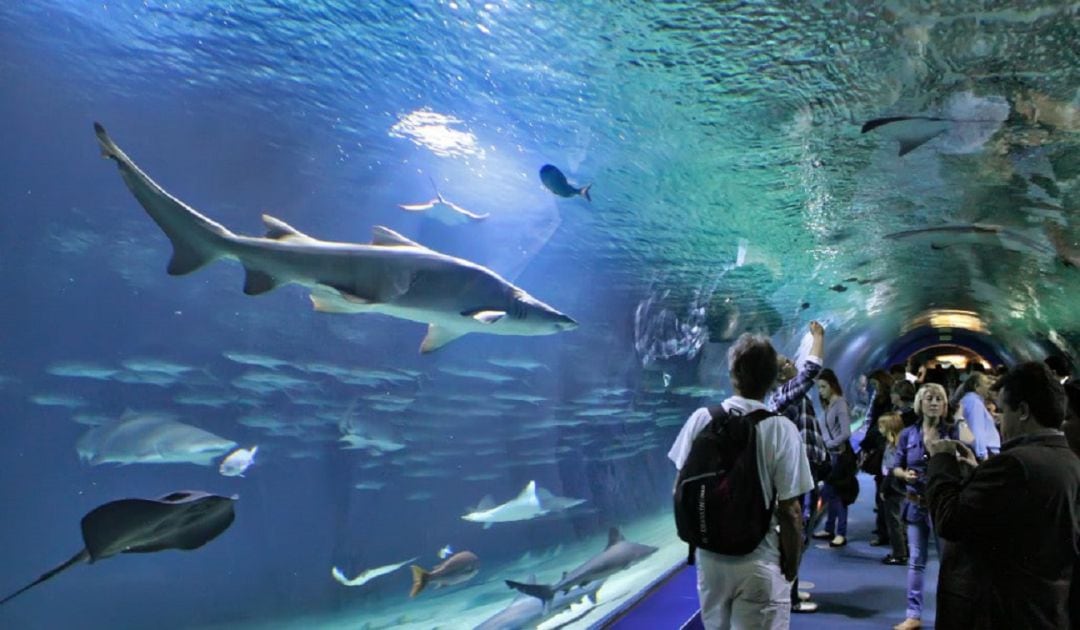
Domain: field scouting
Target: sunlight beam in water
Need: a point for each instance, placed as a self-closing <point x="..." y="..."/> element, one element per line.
<point x="432" y="130"/>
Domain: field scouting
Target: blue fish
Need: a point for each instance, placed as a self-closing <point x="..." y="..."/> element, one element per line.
<point x="555" y="181"/>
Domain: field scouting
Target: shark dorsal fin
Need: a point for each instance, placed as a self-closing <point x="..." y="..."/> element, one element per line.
<point x="279" y="230"/>
<point x="528" y="493"/>
<point x="486" y="503"/>
<point x="385" y="237"/>
<point x="614" y="536"/>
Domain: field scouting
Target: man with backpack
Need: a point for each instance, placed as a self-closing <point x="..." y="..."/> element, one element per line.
<point x="742" y="470"/>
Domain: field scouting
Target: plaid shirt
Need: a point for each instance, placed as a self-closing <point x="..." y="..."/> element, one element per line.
<point x="790" y="400"/>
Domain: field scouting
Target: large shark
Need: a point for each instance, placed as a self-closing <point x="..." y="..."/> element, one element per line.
<point x="150" y="439"/>
<point x="523" y="507"/>
<point x="528" y="612"/>
<point x="618" y="555"/>
<point x="392" y="275"/>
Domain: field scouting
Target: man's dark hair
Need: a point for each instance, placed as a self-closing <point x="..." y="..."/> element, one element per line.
<point x="904" y="389"/>
<point x="752" y="362"/>
<point x="1033" y="383"/>
<point x="1059" y="364"/>
<point x="1072" y="393"/>
<point x="897" y="370"/>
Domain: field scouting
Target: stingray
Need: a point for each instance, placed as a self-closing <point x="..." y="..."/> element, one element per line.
<point x="443" y="210"/>
<point x="187" y="519"/>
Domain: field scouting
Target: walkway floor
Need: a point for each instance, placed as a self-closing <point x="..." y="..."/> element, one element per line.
<point x="851" y="586"/>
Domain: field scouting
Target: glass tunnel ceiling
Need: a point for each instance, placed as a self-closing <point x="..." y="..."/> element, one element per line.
<point x="723" y="140"/>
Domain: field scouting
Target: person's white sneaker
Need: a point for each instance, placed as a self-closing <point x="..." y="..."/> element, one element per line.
<point x="803" y="596"/>
<point x="804" y="607"/>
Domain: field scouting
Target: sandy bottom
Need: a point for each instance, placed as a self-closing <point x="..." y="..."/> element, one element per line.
<point x="469" y="605"/>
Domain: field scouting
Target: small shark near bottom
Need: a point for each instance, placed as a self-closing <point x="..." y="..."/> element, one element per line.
<point x="528" y="612"/>
<point x="618" y="555"/>
<point x="392" y="275"/>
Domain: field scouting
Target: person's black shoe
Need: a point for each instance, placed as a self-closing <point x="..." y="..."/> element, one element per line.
<point x="893" y="560"/>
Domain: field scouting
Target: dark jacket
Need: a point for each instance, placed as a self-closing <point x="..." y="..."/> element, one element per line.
<point x="1016" y="527"/>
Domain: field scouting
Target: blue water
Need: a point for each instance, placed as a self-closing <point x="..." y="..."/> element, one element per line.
<point x="731" y="186"/>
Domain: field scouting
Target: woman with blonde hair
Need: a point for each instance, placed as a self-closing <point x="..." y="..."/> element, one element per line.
<point x="932" y="408"/>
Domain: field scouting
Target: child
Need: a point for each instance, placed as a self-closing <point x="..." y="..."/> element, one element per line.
<point x="892" y="489"/>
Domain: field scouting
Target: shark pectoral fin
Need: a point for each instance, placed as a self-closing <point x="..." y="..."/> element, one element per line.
<point x="438" y="337"/>
<point x="258" y="282"/>
<point x="485" y="316"/>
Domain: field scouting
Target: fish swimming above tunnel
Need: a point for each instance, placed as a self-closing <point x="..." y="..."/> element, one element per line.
<point x="945" y="236"/>
<point x="392" y="275"/>
<point x="910" y="131"/>
<point x="444" y="211"/>
<point x="186" y="520"/>
<point x="554" y="180"/>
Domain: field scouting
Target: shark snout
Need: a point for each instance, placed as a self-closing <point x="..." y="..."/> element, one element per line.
<point x="565" y="322"/>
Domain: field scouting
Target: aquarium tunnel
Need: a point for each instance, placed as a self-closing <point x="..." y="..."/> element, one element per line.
<point x="325" y="314"/>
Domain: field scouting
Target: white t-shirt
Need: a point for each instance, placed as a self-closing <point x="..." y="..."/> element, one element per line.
<point x="781" y="458"/>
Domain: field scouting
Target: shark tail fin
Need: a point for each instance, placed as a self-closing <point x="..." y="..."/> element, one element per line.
<point x="419" y="580"/>
<point x="585" y="193"/>
<point x="543" y="592"/>
<point x="196" y="240"/>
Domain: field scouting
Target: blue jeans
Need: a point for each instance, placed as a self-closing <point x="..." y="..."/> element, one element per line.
<point x="918" y="535"/>
<point x="836" y="519"/>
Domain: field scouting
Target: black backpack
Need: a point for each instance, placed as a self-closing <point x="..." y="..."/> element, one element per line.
<point x="719" y="505"/>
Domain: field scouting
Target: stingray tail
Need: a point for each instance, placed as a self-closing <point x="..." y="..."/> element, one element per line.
<point x="82" y="556"/>
<point x="419" y="580"/>
<point x="585" y="192"/>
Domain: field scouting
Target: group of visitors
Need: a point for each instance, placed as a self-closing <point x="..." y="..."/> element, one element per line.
<point x="978" y="463"/>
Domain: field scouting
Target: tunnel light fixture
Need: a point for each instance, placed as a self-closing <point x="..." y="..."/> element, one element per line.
<point x="948" y="318"/>
<point x="959" y="361"/>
